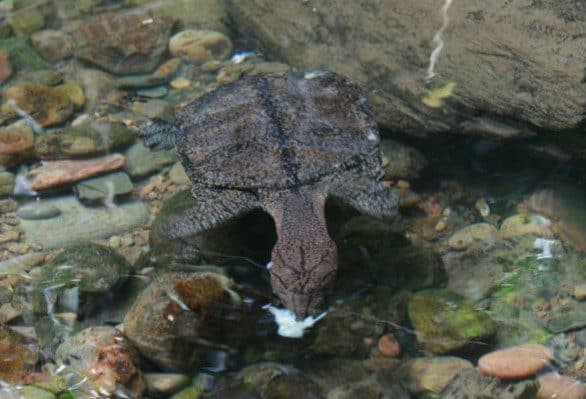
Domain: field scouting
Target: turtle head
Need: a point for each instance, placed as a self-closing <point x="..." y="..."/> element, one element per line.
<point x="302" y="270"/>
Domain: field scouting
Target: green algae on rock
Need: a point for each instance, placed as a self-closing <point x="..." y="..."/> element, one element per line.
<point x="445" y="322"/>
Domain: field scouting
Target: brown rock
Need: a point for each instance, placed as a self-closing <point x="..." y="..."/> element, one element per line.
<point x="431" y="374"/>
<point x="478" y="232"/>
<point x="53" y="45"/>
<point x="16" y="359"/>
<point x="16" y="138"/>
<point x="123" y="43"/>
<point x="555" y="386"/>
<point x="388" y="345"/>
<point x="200" y="46"/>
<point x="5" y="67"/>
<point x="515" y="362"/>
<point x="46" y="105"/>
<point x="58" y="173"/>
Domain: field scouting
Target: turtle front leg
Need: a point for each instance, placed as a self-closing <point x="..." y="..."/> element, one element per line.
<point x="212" y="207"/>
<point x="367" y="195"/>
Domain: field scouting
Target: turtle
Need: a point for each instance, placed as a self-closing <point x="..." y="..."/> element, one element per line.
<point x="283" y="143"/>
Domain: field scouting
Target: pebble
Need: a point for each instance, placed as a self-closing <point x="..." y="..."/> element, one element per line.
<point x="38" y="210"/>
<point x="579" y="291"/>
<point x="432" y="374"/>
<point x="482" y="207"/>
<point x="556" y="386"/>
<point x="463" y="238"/>
<point x="520" y="225"/>
<point x="52" y="45"/>
<point x="104" y="188"/>
<point x="168" y="68"/>
<point x="515" y="362"/>
<point x="163" y="384"/>
<point x="389" y="346"/>
<point x="177" y="174"/>
<point x="199" y="46"/>
<point x="154" y="92"/>
<point x="180" y="83"/>
<point x="5" y="66"/>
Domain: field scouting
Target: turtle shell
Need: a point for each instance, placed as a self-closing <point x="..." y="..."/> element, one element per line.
<point x="276" y="131"/>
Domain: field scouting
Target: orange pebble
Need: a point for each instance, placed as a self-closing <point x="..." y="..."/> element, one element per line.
<point x="515" y="362"/>
<point x="389" y="346"/>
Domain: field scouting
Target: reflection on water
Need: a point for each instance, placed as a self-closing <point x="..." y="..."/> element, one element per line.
<point x="484" y="265"/>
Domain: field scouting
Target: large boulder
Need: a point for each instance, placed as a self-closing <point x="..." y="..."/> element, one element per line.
<point x="505" y="69"/>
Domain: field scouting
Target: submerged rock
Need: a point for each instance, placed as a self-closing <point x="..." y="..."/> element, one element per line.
<point x="101" y="359"/>
<point x="553" y="385"/>
<point x="470" y="384"/>
<point x="401" y="161"/>
<point x="431" y="375"/>
<point x="528" y="88"/>
<point x="53" y="45"/>
<point x="180" y="317"/>
<point x="17" y="360"/>
<point x="141" y="161"/>
<point x="58" y="173"/>
<point x="78" y="223"/>
<point x="104" y="188"/>
<point x="516" y="362"/>
<point x="5" y="66"/>
<point x="6" y="184"/>
<point x="125" y="42"/>
<point x="200" y="46"/>
<point x="478" y="232"/>
<point x="37" y="210"/>
<point x="445" y="322"/>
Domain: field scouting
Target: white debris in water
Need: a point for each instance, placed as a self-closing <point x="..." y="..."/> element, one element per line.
<point x="22" y="186"/>
<point x="438" y="40"/>
<point x="110" y="194"/>
<point x="240" y="57"/>
<point x="538" y="220"/>
<point x="372" y="135"/>
<point x="545" y="246"/>
<point x="288" y="326"/>
<point x="313" y="74"/>
<point x="269" y="265"/>
<point x="34" y="125"/>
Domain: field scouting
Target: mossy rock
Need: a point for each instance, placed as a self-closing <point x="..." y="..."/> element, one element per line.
<point x="22" y="56"/>
<point x="90" y="267"/>
<point x="445" y="322"/>
<point x="82" y="141"/>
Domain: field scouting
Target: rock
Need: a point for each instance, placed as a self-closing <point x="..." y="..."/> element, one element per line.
<point x="71" y="9"/>
<point x="198" y="14"/>
<point x="5" y="67"/>
<point x="22" y="56"/>
<point x="52" y="45"/>
<point x="104" y="188"/>
<point x="122" y="43"/>
<point x="17" y="360"/>
<point x="177" y="174"/>
<point x="570" y="316"/>
<point x="78" y="223"/>
<point x="431" y="375"/>
<point x="32" y="392"/>
<point x="6" y="184"/>
<point x="579" y="291"/>
<point x="368" y="388"/>
<point x="444" y="322"/>
<point x="175" y="331"/>
<point x="553" y="385"/>
<point x="38" y="210"/>
<point x="478" y="232"/>
<point x="388" y="345"/>
<point x="180" y="83"/>
<point x="73" y="92"/>
<point x="164" y="384"/>
<point x="141" y="161"/>
<point x="44" y="77"/>
<point x="401" y="161"/>
<point x="476" y="271"/>
<point x="154" y="109"/>
<point x="97" y="85"/>
<point x="515" y="362"/>
<point x="16" y="139"/>
<point x="93" y="137"/>
<point x="90" y="267"/>
<point x="519" y="225"/>
<point x="21" y="264"/>
<point x="200" y="46"/>
<point x="470" y="384"/>
<point x="268" y="381"/>
<point x="104" y="358"/>
<point x="566" y="206"/>
<point x="47" y="105"/>
<point x="345" y="38"/>
<point x="58" y="173"/>
<point x="153" y="92"/>
<point x="140" y="81"/>
<point x="26" y="20"/>
<point x="270" y="67"/>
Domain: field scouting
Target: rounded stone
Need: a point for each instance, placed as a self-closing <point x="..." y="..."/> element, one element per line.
<point x="515" y="362"/>
<point x="53" y="45"/>
<point x="432" y="374"/>
<point x="36" y="211"/>
<point x="388" y="345"/>
<point x="554" y="385"/>
<point x="200" y="46"/>
<point x="465" y="237"/>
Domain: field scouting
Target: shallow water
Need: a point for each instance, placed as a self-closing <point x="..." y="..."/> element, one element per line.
<point x="485" y="253"/>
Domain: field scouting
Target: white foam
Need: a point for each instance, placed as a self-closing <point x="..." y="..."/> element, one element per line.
<point x="438" y="40"/>
<point x="288" y="326"/>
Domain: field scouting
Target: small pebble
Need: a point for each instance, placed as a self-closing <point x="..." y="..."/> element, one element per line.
<point x="403" y="184"/>
<point x="515" y="362"/>
<point x="579" y="291"/>
<point x="180" y="83"/>
<point x="389" y="346"/>
<point x="38" y="210"/>
<point x="555" y="386"/>
<point x="441" y="225"/>
<point x="114" y="242"/>
<point x="482" y="207"/>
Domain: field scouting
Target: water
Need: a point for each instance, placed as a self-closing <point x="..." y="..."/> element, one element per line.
<point x="480" y="113"/>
